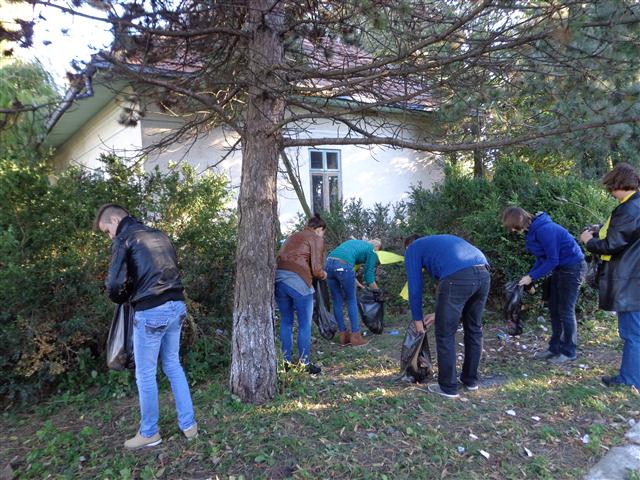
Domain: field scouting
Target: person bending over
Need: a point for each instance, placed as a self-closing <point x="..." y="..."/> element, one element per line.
<point x="341" y="277"/>
<point x="557" y="253"/>
<point x="462" y="272"/>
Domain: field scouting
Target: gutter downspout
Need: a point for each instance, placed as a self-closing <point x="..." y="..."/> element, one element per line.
<point x="73" y="94"/>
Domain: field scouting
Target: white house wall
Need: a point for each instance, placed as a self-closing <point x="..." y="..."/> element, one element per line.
<point x="200" y="153"/>
<point x="373" y="174"/>
<point x="101" y="135"/>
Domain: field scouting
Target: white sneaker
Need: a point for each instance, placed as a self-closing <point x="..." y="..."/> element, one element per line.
<point x="560" y="359"/>
<point x="435" y="388"/>
<point x="142" y="442"/>
<point x="191" y="432"/>
<point x="545" y="355"/>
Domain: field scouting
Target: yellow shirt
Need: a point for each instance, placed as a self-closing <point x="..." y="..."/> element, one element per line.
<point x="602" y="234"/>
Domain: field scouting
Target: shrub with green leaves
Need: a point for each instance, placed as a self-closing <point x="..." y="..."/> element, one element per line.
<point x="471" y="208"/>
<point x="55" y="313"/>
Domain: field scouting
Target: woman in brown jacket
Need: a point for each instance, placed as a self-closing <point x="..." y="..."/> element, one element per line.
<point x="299" y="262"/>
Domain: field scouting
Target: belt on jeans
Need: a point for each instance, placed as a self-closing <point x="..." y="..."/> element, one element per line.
<point x="482" y="265"/>
<point x="339" y="260"/>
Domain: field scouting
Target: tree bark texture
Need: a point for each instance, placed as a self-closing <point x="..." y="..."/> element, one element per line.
<point x="253" y="363"/>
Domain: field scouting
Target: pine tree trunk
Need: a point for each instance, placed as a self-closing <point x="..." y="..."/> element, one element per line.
<point x="478" y="163"/>
<point x="478" y="155"/>
<point x="253" y="361"/>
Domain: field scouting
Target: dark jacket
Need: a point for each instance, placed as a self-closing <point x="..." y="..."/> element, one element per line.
<point x="143" y="268"/>
<point x="619" y="283"/>
<point x="552" y="245"/>
<point x="303" y="254"/>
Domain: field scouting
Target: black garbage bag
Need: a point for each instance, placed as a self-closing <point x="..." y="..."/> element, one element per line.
<point x="592" y="274"/>
<point x="322" y="317"/>
<point x="371" y="308"/>
<point x="594" y="262"/>
<point x="120" y="339"/>
<point x="415" y="356"/>
<point x="513" y="307"/>
<point x="545" y="287"/>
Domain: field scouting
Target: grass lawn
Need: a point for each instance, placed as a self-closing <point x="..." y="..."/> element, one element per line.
<point x="354" y="421"/>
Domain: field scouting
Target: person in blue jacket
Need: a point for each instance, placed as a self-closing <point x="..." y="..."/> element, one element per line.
<point x="557" y="253"/>
<point x="462" y="272"/>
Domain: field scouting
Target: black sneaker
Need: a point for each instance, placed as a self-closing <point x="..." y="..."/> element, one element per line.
<point x="313" y="369"/>
<point x="611" y="380"/>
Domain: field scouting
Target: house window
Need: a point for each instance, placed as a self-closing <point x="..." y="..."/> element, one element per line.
<point x="326" y="184"/>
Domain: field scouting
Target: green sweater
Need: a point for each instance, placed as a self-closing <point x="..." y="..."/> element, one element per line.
<point x="357" y="252"/>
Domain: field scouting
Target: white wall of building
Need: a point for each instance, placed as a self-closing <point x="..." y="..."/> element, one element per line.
<point x="101" y="135"/>
<point x="373" y="174"/>
<point x="201" y="153"/>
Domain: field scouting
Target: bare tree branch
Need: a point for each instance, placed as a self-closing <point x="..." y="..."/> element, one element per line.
<point x="456" y="147"/>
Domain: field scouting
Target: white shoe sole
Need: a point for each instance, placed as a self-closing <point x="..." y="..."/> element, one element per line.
<point x="438" y="391"/>
<point x="152" y="444"/>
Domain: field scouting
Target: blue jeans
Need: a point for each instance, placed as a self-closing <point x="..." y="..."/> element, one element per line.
<point x="563" y="294"/>
<point x="289" y="300"/>
<point x="157" y="332"/>
<point x="460" y="296"/>
<point x="341" y="279"/>
<point x="629" y="330"/>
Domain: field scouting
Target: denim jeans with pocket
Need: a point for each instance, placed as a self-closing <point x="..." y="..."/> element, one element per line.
<point x="460" y="296"/>
<point x="629" y="330"/>
<point x="341" y="279"/>
<point x="564" y="288"/>
<point x="157" y="334"/>
<point x="290" y="301"/>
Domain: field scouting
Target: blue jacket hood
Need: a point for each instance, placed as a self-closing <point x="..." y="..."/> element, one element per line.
<point x="541" y="219"/>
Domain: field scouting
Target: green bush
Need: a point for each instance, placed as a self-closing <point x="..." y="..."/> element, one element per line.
<point x="55" y="315"/>
<point x="351" y="220"/>
<point x="471" y="208"/>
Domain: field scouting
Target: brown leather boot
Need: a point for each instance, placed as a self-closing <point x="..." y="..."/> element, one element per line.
<point x="344" y="339"/>
<point x="357" y="340"/>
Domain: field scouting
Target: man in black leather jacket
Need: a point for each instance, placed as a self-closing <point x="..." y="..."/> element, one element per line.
<point x="618" y="244"/>
<point x="144" y="271"/>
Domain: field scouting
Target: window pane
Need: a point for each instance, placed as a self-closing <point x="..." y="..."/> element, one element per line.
<point x="334" y="191"/>
<point x="332" y="160"/>
<point x="317" y="192"/>
<point x="316" y="160"/>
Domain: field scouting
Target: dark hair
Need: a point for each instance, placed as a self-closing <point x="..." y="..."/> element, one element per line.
<point x="317" y="222"/>
<point x="622" y="177"/>
<point x="108" y="210"/>
<point x="410" y="239"/>
<point x="516" y="217"/>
